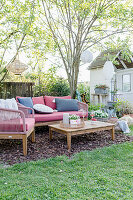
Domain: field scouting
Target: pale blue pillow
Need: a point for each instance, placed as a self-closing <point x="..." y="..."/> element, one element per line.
<point x="66" y="104"/>
<point x="26" y="102"/>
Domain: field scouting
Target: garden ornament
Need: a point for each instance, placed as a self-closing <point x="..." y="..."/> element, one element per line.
<point x="86" y="57"/>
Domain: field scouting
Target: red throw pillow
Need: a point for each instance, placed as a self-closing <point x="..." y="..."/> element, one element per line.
<point x="49" y="101"/>
<point x="38" y="100"/>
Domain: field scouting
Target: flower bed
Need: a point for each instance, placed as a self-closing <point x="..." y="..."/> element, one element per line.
<point x="100" y="115"/>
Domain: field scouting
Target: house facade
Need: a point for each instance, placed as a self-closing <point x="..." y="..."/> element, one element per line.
<point x="117" y="77"/>
<point x="124" y="84"/>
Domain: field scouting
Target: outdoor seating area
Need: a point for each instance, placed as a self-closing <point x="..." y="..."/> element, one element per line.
<point x="20" y="117"/>
<point x="66" y="100"/>
<point x="19" y="123"/>
<point x="48" y="113"/>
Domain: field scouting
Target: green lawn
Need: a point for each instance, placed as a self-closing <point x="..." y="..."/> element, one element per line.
<point x="131" y="133"/>
<point x="105" y="173"/>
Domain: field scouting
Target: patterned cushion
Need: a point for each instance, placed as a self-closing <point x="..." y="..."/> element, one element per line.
<point x="40" y="108"/>
<point x="49" y="100"/>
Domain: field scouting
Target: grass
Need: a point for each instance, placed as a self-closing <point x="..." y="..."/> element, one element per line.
<point x="131" y="133"/>
<point x="105" y="173"/>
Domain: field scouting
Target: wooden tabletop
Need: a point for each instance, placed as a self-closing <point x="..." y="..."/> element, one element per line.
<point x="88" y="125"/>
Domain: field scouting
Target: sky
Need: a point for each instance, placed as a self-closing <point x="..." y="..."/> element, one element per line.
<point x="84" y="73"/>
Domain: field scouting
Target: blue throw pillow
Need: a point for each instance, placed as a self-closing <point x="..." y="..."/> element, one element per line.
<point x="26" y="102"/>
<point x="66" y="104"/>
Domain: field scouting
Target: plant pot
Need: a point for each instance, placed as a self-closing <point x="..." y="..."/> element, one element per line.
<point x="101" y="91"/>
<point x="101" y="119"/>
<point x="74" y="123"/>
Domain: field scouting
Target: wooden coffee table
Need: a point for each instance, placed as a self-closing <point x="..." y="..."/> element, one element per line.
<point x="88" y="128"/>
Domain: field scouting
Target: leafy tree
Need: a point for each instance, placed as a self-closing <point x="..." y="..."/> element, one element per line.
<point x="77" y="25"/>
<point x="69" y="26"/>
<point x="48" y="83"/>
<point x="16" y="18"/>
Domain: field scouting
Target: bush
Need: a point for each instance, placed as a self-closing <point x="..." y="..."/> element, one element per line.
<point x="55" y="87"/>
<point x="60" y="88"/>
<point x="95" y="107"/>
<point x="123" y="107"/>
<point x="48" y="83"/>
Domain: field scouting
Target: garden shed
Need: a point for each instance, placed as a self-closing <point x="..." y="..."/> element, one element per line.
<point x="118" y="77"/>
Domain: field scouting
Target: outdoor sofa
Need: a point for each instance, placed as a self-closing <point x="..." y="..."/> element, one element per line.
<point x="43" y="119"/>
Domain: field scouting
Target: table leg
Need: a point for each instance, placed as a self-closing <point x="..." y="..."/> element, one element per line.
<point x="69" y="141"/>
<point x="50" y="134"/>
<point x="113" y="133"/>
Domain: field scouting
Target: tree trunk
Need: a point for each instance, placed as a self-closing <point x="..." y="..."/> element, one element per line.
<point x="73" y="79"/>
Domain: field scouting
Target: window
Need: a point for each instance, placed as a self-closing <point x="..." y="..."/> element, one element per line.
<point x="126" y="83"/>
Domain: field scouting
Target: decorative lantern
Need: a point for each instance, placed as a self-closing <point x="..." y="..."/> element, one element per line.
<point x="86" y="57"/>
<point x="17" y="67"/>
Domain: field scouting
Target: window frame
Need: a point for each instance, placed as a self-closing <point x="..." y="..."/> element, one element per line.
<point x="123" y="82"/>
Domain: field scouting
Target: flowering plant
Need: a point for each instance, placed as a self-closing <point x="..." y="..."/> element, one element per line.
<point x="100" y="114"/>
<point x="101" y="86"/>
<point x="74" y="117"/>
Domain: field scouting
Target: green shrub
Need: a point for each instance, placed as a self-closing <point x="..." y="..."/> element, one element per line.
<point x="48" y="83"/>
<point x="55" y="87"/>
<point x="60" y="88"/>
<point x="123" y="107"/>
<point x="95" y="107"/>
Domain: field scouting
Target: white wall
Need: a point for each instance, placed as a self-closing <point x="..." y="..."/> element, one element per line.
<point x="98" y="76"/>
<point x="124" y="95"/>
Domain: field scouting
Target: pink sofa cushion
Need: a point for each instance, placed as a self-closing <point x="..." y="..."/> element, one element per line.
<point x="16" y="125"/>
<point x="55" y="116"/>
<point x="49" y="100"/>
<point x="38" y="100"/>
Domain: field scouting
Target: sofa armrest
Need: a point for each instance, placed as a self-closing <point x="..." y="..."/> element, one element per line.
<point x="26" y="110"/>
<point x="12" y="120"/>
<point x="83" y="106"/>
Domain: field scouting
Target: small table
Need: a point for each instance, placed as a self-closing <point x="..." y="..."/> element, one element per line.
<point x="90" y="127"/>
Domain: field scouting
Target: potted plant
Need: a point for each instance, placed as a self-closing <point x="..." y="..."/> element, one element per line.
<point x="101" y="89"/>
<point x="100" y="115"/>
<point x="74" y="120"/>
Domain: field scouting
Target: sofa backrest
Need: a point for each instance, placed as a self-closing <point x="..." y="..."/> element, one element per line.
<point x="50" y="101"/>
<point x="46" y="100"/>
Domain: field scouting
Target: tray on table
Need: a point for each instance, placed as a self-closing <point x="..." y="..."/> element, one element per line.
<point x="73" y="126"/>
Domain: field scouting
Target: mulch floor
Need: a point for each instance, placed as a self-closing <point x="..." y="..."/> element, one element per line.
<point x="11" y="151"/>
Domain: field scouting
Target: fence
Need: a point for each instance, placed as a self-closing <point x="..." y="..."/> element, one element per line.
<point x="13" y="89"/>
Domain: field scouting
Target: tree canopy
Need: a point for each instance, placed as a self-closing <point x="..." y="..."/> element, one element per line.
<point x="64" y="27"/>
